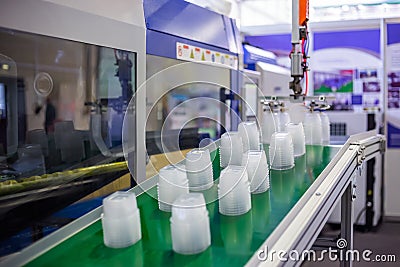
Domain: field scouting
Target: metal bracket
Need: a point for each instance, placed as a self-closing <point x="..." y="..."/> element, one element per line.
<point x="360" y="154"/>
<point x="382" y="146"/>
<point x="357" y="174"/>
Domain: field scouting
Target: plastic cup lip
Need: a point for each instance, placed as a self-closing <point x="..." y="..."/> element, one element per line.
<point x="294" y="125"/>
<point x="204" y="217"/>
<point x="166" y="184"/>
<point x="190" y="201"/>
<point x="300" y="154"/>
<point x="229" y="136"/>
<point x="197" y="154"/>
<point x="232" y="171"/>
<point x="120" y="204"/>
<point x="189" y="206"/>
<point x="280" y="134"/>
<point x="253" y="155"/>
<point x="248" y="123"/>
<point x="282" y="168"/>
<point x="228" y="212"/>
<point x="136" y="213"/>
<point x="120" y="196"/>
<point x="202" y="187"/>
<point x="172" y="175"/>
<point x="198" y="167"/>
<point x="230" y="133"/>
<point x="193" y="252"/>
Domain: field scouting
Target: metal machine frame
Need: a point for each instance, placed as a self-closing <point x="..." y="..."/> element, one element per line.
<point x="174" y="23"/>
<point x="70" y="21"/>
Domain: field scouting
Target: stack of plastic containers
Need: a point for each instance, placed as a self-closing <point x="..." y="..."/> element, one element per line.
<point x="172" y="183"/>
<point x="121" y="220"/>
<point x="199" y="169"/>
<point x="313" y="128"/>
<point x="283" y="120"/>
<point x="281" y="151"/>
<point x="269" y="125"/>
<point x="256" y="164"/>
<point x="234" y="191"/>
<point x="190" y="224"/>
<point x="296" y="130"/>
<point x="248" y="131"/>
<point x="325" y="129"/>
<point x="231" y="149"/>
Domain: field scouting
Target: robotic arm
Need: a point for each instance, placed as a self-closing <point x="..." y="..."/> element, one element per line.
<point x="298" y="55"/>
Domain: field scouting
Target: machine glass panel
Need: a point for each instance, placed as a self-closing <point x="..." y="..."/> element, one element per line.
<point x="62" y="104"/>
<point x="184" y="104"/>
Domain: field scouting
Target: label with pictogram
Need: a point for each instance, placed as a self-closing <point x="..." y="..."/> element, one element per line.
<point x="194" y="53"/>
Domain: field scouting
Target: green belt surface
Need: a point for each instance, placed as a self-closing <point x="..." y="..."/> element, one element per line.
<point x="233" y="239"/>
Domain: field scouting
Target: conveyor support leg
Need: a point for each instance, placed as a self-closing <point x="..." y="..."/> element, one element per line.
<point x="346" y="227"/>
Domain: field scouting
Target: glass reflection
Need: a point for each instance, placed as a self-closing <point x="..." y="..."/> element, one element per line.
<point x="236" y="233"/>
<point x="62" y="104"/>
<point x="283" y="184"/>
<point x="261" y="209"/>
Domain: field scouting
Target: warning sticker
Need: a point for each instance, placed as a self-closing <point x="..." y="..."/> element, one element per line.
<point x="197" y="54"/>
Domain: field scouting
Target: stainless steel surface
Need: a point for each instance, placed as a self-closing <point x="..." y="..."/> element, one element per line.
<point x="296" y="69"/>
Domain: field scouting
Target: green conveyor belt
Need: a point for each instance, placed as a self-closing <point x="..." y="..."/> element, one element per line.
<point x="234" y="239"/>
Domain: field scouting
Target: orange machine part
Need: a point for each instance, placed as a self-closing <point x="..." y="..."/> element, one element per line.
<point x="303" y="12"/>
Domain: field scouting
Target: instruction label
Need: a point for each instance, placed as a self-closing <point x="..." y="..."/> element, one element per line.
<point x="198" y="54"/>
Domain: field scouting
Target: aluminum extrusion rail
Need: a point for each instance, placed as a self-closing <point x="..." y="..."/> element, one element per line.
<point x="300" y="228"/>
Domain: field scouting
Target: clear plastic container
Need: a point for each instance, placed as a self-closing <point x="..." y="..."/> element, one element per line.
<point x="281" y="151"/>
<point x="121" y="220"/>
<point x="326" y="125"/>
<point x="298" y="137"/>
<point x="190" y="224"/>
<point x="231" y="149"/>
<point x="256" y="165"/>
<point x="250" y="135"/>
<point x="313" y="128"/>
<point x="172" y="183"/>
<point x="283" y="120"/>
<point x="234" y="191"/>
<point x="199" y="169"/>
<point x="269" y="125"/>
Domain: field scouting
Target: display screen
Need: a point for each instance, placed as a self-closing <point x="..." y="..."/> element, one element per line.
<point x="340" y="81"/>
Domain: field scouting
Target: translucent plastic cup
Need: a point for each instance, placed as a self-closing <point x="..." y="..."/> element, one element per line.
<point x="283" y="120"/>
<point x="190" y="224"/>
<point x="313" y="128"/>
<point x="281" y="151"/>
<point x="199" y="169"/>
<point x="269" y="125"/>
<point x="234" y="191"/>
<point x="231" y="149"/>
<point x="298" y="137"/>
<point x="256" y="165"/>
<point x="172" y="183"/>
<point x="250" y="135"/>
<point x="121" y="220"/>
<point x="325" y="124"/>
